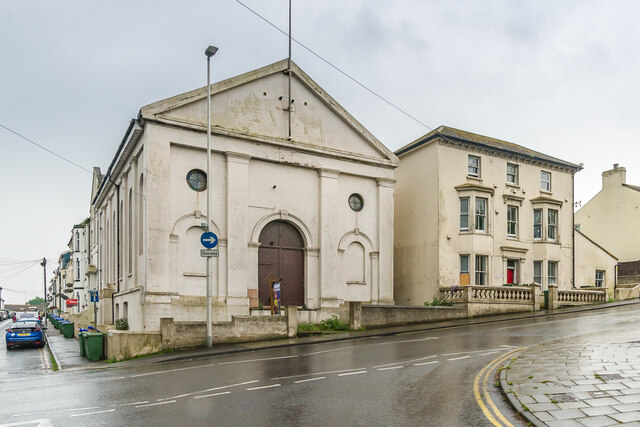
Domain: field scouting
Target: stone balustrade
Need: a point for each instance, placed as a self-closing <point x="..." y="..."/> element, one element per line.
<point x="568" y="298"/>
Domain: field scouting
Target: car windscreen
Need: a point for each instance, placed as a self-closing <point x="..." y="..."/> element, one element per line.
<point x="24" y="325"/>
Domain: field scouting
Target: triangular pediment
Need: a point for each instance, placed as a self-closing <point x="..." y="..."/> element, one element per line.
<point x="255" y="104"/>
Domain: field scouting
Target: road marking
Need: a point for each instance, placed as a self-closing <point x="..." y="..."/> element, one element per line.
<point x="44" y="422"/>
<point x="155" y="404"/>
<point x="458" y="358"/>
<point x="352" y="373"/>
<point x="83" y="409"/>
<point x="403" y="341"/>
<point x="486" y="371"/>
<point x="258" y="360"/>
<point x="390" y="367"/>
<point x="264" y="386"/>
<point x="227" y="386"/>
<point x="329" y="351"/>
<point x="142" y="402"/>
<point x="309" y="379"/>
<point x="405" y="361"/>
<point x="475" y="351"/>
<point x="92" y="413"/>
<point x="426" y="363"/>
<point x="316" y="373"/>
<point x="212" y="395"/>
<point x="174" y="397"/>
<point x="171" y="370"/>
<point x="41" y="358"/>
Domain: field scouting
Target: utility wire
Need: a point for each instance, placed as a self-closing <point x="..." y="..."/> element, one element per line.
<point x="353" y="79"/>
<point x="45" y="148"/>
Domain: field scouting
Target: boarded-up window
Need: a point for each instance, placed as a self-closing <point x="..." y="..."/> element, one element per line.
<point x="354" y="263"/>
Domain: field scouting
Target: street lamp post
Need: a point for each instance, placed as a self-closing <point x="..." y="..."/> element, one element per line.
<point x="211" y="50"/>
<point x="44" y="269"/>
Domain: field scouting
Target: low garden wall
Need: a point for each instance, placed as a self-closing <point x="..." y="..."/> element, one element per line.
<point x="625" y="292"/>
<point x="121" y="345"/>
<point x="377" y="316"/>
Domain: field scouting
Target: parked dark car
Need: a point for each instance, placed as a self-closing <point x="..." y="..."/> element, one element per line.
<point x="25" y="333"/>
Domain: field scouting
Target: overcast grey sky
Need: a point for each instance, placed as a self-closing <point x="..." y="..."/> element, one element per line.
<point x="560" y="77"/>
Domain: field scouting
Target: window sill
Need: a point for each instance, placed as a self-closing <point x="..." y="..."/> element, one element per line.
<point x="474" y="178"/>
<point x="512" y="185"/>
<point x="356" y="283"/>
<point x="548" y="193"/>
<point x="514" y="238"/>
<point x="549" y="242"/>
<point x="474" y="233"/>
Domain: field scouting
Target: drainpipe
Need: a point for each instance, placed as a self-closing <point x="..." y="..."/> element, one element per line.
<point x="117" y="248"/>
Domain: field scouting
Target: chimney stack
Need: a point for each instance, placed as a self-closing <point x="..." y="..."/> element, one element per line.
<point x="614" y="177"/>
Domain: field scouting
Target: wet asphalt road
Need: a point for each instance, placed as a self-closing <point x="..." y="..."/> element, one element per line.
<point x="21" y="361"/>
<point x="417" y="378"/>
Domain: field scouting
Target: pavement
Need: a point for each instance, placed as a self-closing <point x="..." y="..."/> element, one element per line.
<point x="589" y="380"/>
<point x="66" y="351"/>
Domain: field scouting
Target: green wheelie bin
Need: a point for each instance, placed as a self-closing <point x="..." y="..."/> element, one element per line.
<point x="81" y="333"/>
<point x="94" y="345"/>
<point x="66" y="328"/>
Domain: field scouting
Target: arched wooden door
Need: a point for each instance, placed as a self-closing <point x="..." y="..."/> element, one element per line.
<point x="281" y="256"/>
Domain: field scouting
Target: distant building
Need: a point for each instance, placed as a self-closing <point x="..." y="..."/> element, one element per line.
<point x="612" y="217"/>
<point x="474" y="210"/>
<point x="301" y="193"/>
<point x="595" y="266"/>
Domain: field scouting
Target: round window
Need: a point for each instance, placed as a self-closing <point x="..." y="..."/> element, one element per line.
<point x="197" y="180"/>
<point x="355" y="202"/>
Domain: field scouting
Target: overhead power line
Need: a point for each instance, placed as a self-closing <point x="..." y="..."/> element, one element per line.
<point x="45" y="148"/>
<point x="353" y="79"/>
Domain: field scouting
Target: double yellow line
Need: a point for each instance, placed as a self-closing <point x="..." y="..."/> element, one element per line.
<point x="489" y="409"/>
<point x="44" y="359"/>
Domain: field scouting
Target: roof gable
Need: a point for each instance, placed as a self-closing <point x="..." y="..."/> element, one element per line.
<point x="255" y="104"/>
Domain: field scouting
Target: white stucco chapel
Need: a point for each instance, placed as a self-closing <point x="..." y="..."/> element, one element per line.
<point x="301" y="192"/>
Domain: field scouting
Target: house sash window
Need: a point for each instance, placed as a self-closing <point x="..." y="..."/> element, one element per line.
<point x="537" y="224"/>
<point x="512" y="221"/>
<point x="512" y="173"/>
<point x="552" y="271"/>
<point x="481" y="214"/>
<point x="473" y="168"/>
<point x="464" y="213"/>
<point x="481" y="269"/>
<point x="545" y="181"/>
<point x="599" y="278"/>
<point x="464" y="270"/>
<point x="537" y="272"/>
<point x="552" y="224"/>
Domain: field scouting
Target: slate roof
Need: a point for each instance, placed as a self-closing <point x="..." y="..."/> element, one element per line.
<point x="461" y="136"/>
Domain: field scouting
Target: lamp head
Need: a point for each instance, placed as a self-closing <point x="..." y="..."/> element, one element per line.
<point x="211" y="50"/>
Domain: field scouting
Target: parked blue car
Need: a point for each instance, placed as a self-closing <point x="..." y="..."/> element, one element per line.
<point x="25" y="333"/>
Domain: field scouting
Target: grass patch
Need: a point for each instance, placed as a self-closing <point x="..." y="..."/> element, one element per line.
<point x="530" y="376"/>
<point x="496" y="384"/>
<point x="331" y="324"/>
<point x="509" y="383"/>
<point x="438" y="302"/>
<point x="554" y="401"/>
<point x="54" y="365"/>
<point x="525" y="408"/>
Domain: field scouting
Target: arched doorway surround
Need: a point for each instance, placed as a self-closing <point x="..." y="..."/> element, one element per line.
<point x="281" y="256"/>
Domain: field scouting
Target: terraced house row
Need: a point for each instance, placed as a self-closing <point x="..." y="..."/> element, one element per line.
<point x="304" y="194"/>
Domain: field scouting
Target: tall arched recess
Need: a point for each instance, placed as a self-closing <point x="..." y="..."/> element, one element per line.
<point x="281" y="256"/>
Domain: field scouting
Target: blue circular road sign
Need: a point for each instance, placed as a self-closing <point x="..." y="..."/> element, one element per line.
<point x="209" y="240"/>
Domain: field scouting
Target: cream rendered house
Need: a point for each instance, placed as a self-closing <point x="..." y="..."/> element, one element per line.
<point x="612" y="217"/>
<point x="313" y="208"/>
<point x="474" y="210"/>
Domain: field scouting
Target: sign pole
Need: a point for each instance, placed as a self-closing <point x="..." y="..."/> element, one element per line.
<point x="210" y="51"/>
